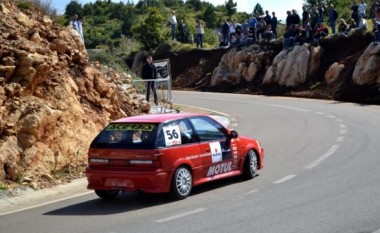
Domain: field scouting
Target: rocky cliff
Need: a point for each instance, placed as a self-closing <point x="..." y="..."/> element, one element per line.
<point x="53" y="101"/>
<point x="339" y="67"/>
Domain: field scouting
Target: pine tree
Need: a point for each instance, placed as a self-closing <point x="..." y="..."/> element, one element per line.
<point x="258" y="10"/>
<point x="231" y="7"/>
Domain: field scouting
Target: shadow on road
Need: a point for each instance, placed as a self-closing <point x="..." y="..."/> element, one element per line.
<point x="126" y="202"/>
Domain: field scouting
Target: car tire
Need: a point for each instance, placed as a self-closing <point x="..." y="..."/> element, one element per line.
<point x="250" y="165"/>
<point x="107" y="194"/>
<point x="182" y="183"/>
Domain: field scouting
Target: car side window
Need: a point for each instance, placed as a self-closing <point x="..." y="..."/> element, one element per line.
<point x="174" y="133"/>
<point x="208" y="129"/>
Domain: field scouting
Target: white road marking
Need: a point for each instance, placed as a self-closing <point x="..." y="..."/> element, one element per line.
<point x="250" y="192"/>
<point x="340" y="139"/>
<point x="343" y="131"/>
<point x="287" y="107"/>
<point x="320" y="113"/>
<point x="46" y="203"/>
<point x="339" y="120"/>
<point x="180" y="215"/>
<point x="331" y="116"/>
<point x="286" y="178"/>
<point x="378" y="231"/>
<point x="323" y="157"/>
<point x="234" y="124"/>
<point x="342" y="125"/>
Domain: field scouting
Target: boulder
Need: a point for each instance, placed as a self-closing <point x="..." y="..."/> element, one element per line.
<point x="367" y="68"/>
<point x="289" y="69"/>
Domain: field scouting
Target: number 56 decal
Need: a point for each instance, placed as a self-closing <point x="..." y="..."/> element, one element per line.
<point x="172" y="135"/>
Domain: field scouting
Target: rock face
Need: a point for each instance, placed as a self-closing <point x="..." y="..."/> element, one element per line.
<point x="367" y="68"/>
<point x="52" y="100"/>
<point x="291" y="69"/>
<point x="236" y="66"/>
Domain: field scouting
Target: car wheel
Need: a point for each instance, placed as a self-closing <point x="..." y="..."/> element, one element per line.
<point x="250" y="165"/>
<point x="107" y="194"/>
<point x="182" y="183"/>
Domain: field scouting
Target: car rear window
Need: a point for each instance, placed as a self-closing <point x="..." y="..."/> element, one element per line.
<point x="126" y="136"/>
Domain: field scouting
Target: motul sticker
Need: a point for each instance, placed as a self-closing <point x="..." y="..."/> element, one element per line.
<point x="216" y="152"/>
<point x="220" y="168"/>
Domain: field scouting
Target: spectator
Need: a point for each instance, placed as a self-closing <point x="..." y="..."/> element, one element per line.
<point x="355" y="12"/>
<point x="374" y="6"/>
<point x="149" y="73"/>
<point x="362" y="8"/>
<point x="173" y="23"/>
<point x="321" y="12"/>
<point x="182" y="31"/>
<point x="362" y="24"/>
<point x="261" y="28"/>
<point x="268" y="33"/>
<point x="238" y="34"/>
<point x="314" y="18"/>
<point x="244" y="28"/>
<point x="80" y="27"/>
<point x="232" y="30"/>
<point x="351" y="27"/>
<point x="250" y="38"/>
<point x="267" y="18"/>
<point x="289" y="20"/>
<point x="309" y="34"/>
<point x="295" y="18"/>
<point x="225" y="33"/>
<point x="321" y="31"/>
<point x="376" y="26"/>
<point x="289" y="38"/>
<point x="298" y="34"/>
<point x="333" y="16"/>
<point x="199" y="31"/>
<point x="74" y="22"/>
<point x="273" y="24"/>
<point x="252" y="25"/>
<point x="305" y="16"/>
<point x="342" y="27"/>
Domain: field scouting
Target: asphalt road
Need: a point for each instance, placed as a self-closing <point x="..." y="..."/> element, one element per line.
<point x="321" y="175"/>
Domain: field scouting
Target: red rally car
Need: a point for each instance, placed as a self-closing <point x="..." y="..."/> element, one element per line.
<point x="168" y="153"/>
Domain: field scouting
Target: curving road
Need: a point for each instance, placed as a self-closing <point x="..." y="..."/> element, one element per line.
<point x="322" y="174"/>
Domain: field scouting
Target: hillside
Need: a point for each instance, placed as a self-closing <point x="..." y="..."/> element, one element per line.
<point x="340" y="68"/>
<point x="53" y="101"/>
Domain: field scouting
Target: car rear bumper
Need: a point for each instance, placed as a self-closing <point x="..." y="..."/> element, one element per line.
<point x="150" y="182"/>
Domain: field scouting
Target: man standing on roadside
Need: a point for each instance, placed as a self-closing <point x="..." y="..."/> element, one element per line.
<point x="149" y="72"/>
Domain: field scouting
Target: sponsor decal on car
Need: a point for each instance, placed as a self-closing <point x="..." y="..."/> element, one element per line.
<point x="216" y="152"/>
<point x="220" y="168"/>
<point x="125" y="127"/>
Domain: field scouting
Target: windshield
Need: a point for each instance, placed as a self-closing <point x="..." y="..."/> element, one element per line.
<point x="126" y="136"/>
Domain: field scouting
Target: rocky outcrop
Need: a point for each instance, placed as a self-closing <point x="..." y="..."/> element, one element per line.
<point x="367" y="69"/>
<point x="244" y="65"/>
<point x="53" y="101"/>
<point x="292" y="69"/>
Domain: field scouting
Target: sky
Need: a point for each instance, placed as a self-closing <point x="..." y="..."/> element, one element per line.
<point x="278" y="6"/>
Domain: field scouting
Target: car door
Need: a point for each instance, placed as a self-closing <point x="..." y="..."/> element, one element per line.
<point x="215" y="145"/>
<point x="179" y="144"/>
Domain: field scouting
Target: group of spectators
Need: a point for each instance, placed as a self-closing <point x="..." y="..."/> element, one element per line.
<point x="249" y="31"/>
<point x="307" y="28"/>
<point x="311" y="27"/>
<point x="76" y="23"/>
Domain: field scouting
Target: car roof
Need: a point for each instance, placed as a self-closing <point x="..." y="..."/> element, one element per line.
<point x="155" y="118"/>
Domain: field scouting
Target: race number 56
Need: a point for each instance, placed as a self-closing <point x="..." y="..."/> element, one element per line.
<point x="172" y="135"/>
